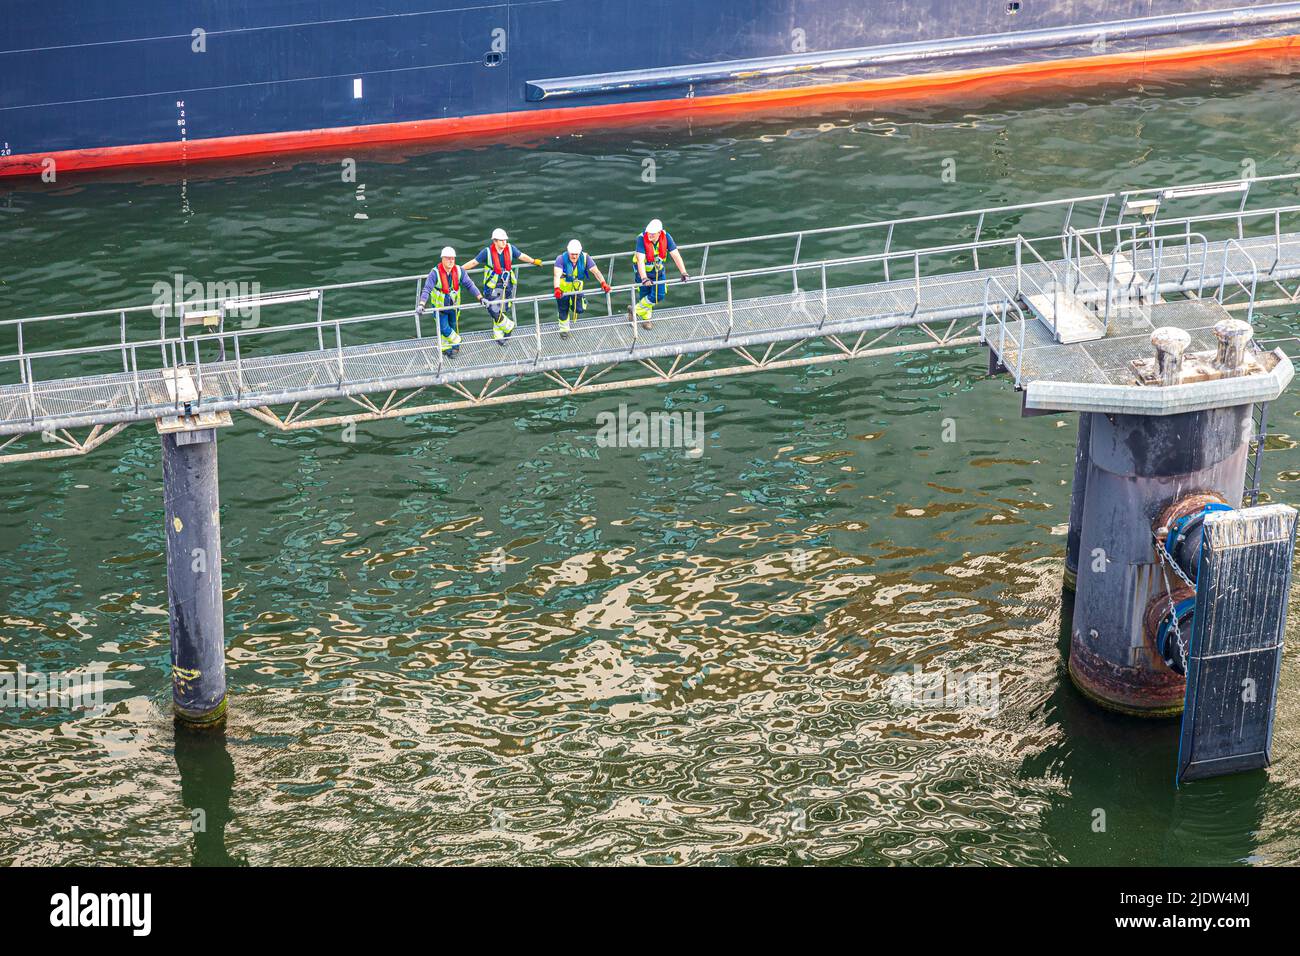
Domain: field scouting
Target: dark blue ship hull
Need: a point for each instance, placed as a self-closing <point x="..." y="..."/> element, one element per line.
<point x="96" y="83"/>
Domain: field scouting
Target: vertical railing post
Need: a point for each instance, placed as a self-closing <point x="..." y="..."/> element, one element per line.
<point x="124" y="365"/>
<point x="135" y="375"/>
<point x="916" y="280"/>
<point x="239" y="368"/>
<point x="1002" y="327"/>
<point x="975" y="249"/>
<point x="1020" y="352"/>
<point x="320" y="315"/>
<point x="1056" y="296"/>
<point x="1245" y="195"/>
<point x="1158" y="267"/>
<point x="636" y="333"/>
<point x="704" y="270"/>
<point x="730" y="314"/>
<point x="984" y="313"/>
<point x="1019" y="240"/>
<point x="338" y="348"/>
<point x="176" y="375"/>
<point x="889" y="240"/>
<point x="198" y="368"/>
<point x="1069" y="214"/>
<point x="31" y="387"/>
<point x="537" y="329"/>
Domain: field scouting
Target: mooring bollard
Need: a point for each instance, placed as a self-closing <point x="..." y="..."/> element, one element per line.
<point x="1170" y="343"/>
<point x="1234" y="336"/>
<point x="191" y="499"/>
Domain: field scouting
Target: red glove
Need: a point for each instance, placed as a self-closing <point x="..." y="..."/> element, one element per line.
<point x="604" y="287"/>
<point x="559" y="294"/>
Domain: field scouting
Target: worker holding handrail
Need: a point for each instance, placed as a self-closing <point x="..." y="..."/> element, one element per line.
<point x="572" y="270"/>
<point x="649" y="256"/>
<point x="500" y="280"/>
<point x="447" y="280"/>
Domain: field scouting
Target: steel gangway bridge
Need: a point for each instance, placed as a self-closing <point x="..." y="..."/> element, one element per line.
<point x="1116" y="306"/>
<point x="1014" y="276"/>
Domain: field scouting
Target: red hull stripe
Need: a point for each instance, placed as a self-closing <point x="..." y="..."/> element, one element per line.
<point x="536" y="120"/>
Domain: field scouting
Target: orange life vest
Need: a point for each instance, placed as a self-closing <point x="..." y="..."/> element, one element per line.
<point x="657" y="251"/>
<point x="448" y="287"/>
<point x="498" y="266"/>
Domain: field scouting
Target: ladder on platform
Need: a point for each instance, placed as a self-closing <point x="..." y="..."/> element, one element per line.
<point x="1255" y="453"/>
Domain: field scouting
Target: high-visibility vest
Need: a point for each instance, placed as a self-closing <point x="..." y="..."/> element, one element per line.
<point x="497" y="266"/>
<point x="449" y="282"/>
<point x="655" y="253"/>
<point x="570" y="270"/>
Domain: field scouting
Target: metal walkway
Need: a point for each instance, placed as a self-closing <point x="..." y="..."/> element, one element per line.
<point x="937" y="281"/>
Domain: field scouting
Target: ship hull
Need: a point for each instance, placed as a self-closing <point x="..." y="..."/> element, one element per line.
<point x="101" y="85"/>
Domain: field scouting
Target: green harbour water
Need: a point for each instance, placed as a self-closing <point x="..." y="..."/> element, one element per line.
<point x="682" y="660"/>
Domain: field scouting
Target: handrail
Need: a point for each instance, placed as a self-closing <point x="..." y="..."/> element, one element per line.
<point x="1008" y="302"/>
<point x="611" y="258"/>
<point x="1225" y="272"/>
<point x="1021" y="242"/>
<point x="1074" y="261"/>
<point x="1209" y="185"/>
<point x="173" y="351"/>
<point x="319" y="323"/>
<point x="1157" y="264"/>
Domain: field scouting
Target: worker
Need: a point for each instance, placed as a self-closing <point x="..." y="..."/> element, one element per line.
<point x="572" y="269"/>
<point x="500" y="280"/>
<point x="649" y="258"/>
<point x="447" y="280"/>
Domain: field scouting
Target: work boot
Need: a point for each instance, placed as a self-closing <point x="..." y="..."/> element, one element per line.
<point x="455" y="350"/>
<point x="564" y="333"/>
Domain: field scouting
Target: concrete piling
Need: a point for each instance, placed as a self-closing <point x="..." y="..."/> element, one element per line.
<point x="1138" y="464"/>
<point x="1078" y="490"/>
<point x="194" y="600"/>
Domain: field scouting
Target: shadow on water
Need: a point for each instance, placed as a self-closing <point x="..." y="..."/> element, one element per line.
<point x="1119" y="805"/>
<point x="207" y="782"/>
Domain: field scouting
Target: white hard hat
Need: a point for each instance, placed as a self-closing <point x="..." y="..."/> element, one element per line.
<point x="575" y="247"/>
<point x="449" y="251"/>
<point x="655" y="226"/>
<point x="500" y="234"/>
